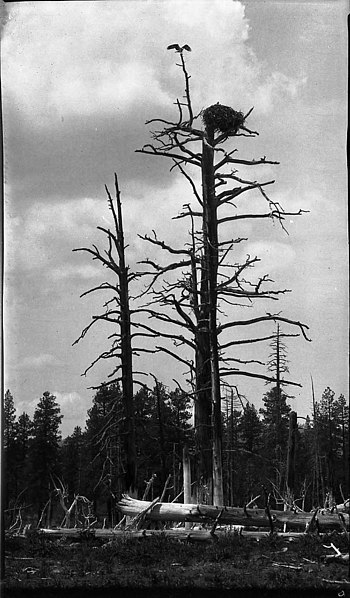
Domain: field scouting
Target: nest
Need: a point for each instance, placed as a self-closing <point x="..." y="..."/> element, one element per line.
<point x="222" y="118"/>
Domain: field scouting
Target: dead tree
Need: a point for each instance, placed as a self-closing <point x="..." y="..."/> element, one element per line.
<point x="208" y="280"/>
<point x="119" y="314"/>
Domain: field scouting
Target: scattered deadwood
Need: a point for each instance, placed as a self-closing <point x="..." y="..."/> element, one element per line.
<point x="182" y="534"/>
<point x="231" y="515"/>
<point x="140" y="517"/>
<point x="344" y="582"/>
<point x="337" y="557"/>
<point x="194" y="535"/>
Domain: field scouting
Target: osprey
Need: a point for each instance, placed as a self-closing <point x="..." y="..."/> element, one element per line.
<point x="179" y="48"/>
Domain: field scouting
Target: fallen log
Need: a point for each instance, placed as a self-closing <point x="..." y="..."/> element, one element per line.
<point x="230" y="515"/>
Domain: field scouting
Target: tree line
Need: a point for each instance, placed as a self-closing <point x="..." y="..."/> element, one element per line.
<point x="90" y="463"/>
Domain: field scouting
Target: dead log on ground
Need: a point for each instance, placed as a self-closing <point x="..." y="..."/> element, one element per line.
<point x="230" y="515"/>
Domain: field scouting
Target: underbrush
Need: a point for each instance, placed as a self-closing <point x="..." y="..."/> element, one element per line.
<point x="158" y="561"/>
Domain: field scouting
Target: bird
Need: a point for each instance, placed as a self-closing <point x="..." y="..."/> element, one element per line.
<point x="179" y="48"/>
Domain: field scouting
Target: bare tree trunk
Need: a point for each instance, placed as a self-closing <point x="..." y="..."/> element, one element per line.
<point x="232" y="442"/>
<point x="187" y="479"/>
<point x="203" y="413"/>
<point x="126" y="352"/>
<point x="210" y="231"/>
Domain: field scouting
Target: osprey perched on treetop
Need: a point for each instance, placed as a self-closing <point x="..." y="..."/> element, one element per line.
<point x="179" y="48"/>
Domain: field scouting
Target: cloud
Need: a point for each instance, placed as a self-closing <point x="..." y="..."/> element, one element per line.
<point x="69" y="58"/>
<point x="50" y="231"/>
<point x="74" y="410"/>
<point x="81" y="78"/>
<point x="42" y="239"/>
<point x="40" y="361"/>
<point x="72" y="404"/>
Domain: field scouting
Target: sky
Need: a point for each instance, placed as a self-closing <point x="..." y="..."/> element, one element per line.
<point x="79" y="80"/>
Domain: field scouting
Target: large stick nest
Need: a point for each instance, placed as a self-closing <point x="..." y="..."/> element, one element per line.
<point x="222" y="118"/>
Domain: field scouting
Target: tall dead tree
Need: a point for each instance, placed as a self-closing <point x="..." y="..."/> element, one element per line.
<point x="207" y="279"/>
<point x="118" y="313"/>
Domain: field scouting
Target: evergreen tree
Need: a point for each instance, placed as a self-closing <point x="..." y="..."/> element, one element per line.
<point x="342" y="412"/>
<point x="9" y="443"/>
<point x="104" y="454"/>
<point x="23" y="438"/>
<point x="44" y="449"/>
<point x="333" y="432"/>
<point x="230" y="419"/>
<point x="250" y="429"/>
<point x="180" y="433"/>
<point x="73" y="451"/>
<point x="305" y="466"/>
<point x="162" y="429"/>
<point x="275" y="419"/>
<point x="250" y="464"/>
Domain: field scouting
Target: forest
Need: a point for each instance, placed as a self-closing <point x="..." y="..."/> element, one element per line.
<point x="90" y="463"/>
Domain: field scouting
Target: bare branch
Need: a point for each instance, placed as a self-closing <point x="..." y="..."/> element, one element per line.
<point x="228" y="195"/>
<point x="268" y="317"/>
<point x="253" y="340"/>
<point x="228" y="160"/>
<point x="259" y="376"/>
<point x="156" y="152"/>
<point x="188" y="363"/>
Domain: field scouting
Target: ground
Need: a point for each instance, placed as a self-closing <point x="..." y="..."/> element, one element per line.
<point x="157" y="563"/>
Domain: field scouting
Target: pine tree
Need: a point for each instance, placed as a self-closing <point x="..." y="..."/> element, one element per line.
<point x="275" y="419"/>
<point x="9" y="444"/>
<point x="23" y="439"/>
<point x="250" y="464"/>
<point x="73" y="451"/>
<point x="104" y="455"/>
<point x="342" y="408"/>
<point x="333" y="435"/>
<point x="44" y="450"/>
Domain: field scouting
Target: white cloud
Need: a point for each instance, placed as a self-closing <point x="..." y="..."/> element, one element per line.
<point x="74" y="410"/>
<point x="48" y="231"/>
<point x="70" y="58"/>
<point x="72" y="404"/>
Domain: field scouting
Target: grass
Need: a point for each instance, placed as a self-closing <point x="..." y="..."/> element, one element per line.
<point x="233" y="562"/>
